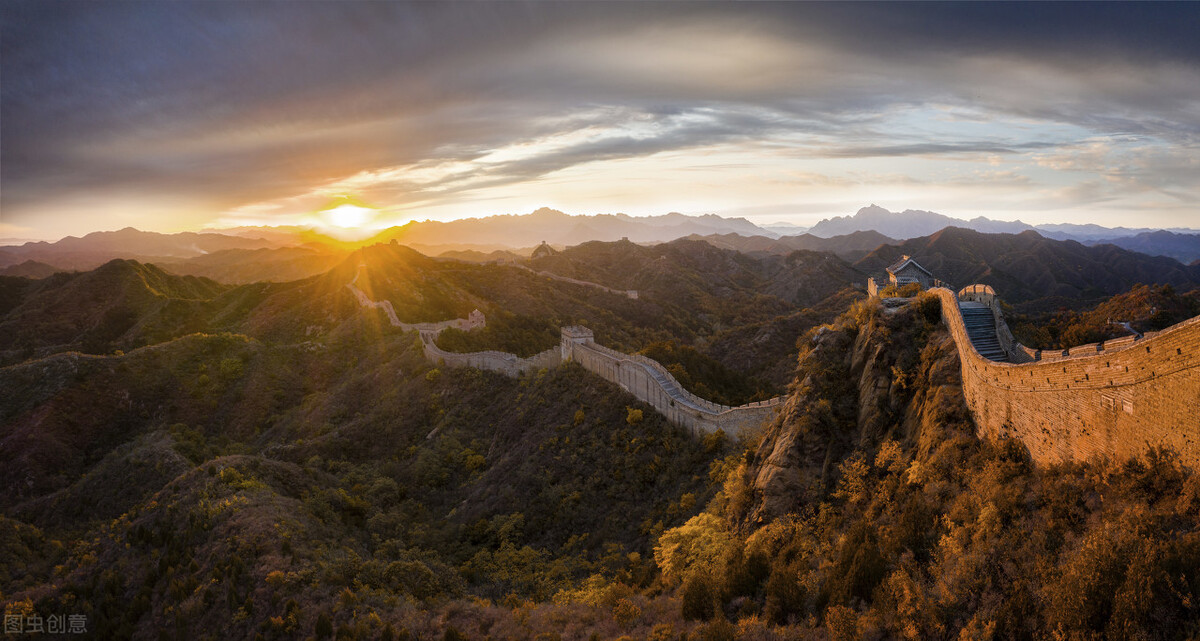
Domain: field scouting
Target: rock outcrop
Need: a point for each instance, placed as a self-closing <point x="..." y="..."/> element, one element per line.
<point x="874" y="374"/>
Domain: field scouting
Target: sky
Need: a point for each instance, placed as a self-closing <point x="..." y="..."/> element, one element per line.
<point x="187" y="115"/>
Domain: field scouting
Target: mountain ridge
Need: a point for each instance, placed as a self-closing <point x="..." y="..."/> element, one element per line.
<point x="516" y="232"/>
<point x="849" y="247"/>
<point x="914" y="223"/>
<point x="1033" y="271"/>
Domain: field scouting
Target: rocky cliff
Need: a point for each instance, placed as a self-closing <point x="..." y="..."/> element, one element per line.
<point x="876" y="373"/>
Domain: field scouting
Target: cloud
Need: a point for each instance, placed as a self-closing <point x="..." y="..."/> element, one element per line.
<point x="225" y="105"/>
<point x="932" y="148"/>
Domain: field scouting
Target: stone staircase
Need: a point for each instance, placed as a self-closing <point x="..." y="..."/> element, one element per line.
<point x="981" y="328"/>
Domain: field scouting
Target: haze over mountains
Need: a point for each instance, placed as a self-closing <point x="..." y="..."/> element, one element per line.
<point x="558" y="228"/>
<point x="912" y="223"/>
<point x="248" y="254"/>
<point x="729" y="280"/>
<point x="850" y="246"/>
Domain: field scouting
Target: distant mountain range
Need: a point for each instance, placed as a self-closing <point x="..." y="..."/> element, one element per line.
<point x="97" y="248"/>
<point x="557" y="228"/>
<point x="913" y="223"/>
<point x="431" y="237"/>
<point x="248" y="254"/>
<point x="851" y="247"/>
<point x="1033" y="272"/>
<point x="1184" y="248"/>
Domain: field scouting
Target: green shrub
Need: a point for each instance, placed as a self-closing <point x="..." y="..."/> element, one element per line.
<point x="324" y="626"/>
<point x="698" y="597"/>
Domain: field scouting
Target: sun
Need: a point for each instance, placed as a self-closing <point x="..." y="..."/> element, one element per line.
<point x="348" y="216"/>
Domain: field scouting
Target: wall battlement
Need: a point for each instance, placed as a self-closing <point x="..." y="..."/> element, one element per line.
<point x="1113" y="400"/>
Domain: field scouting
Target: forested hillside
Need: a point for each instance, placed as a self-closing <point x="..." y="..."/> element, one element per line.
<point x="295" y="467"/>
<point x="259" y="489"/>
<point x="691" y="294"/>
<point x="1141" y="309"/>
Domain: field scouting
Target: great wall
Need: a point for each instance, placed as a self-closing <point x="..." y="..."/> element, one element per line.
<point x="642" y="377"/>
<point x="473" y="321"/>
<point x="1114" y="400"/>
<point x="628" y="293"/>
<point x="650" y="382"/>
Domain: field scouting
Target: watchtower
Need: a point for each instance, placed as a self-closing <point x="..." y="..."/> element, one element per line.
<point x="573" y="335"/>
<point x="543" y="250"/>
<point x="906" y="270"/>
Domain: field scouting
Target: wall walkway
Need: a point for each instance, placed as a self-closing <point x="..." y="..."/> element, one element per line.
<point x="1112" y="400"/>
<point x="648" y="380"/>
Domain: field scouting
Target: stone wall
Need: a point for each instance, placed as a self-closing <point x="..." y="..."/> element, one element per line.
<point x="645" y="378"/>
<point x="872" y="288"/>
<point x="1113" y="400"/>
<point x="503" y="362"/>
<point x="473" y="321"/>
<point x="650" y="382"/>
<point x="630" y="293"/>
<point x="1017" y="353"/>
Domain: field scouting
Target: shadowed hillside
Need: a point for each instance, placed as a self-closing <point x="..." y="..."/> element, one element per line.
<point x="1034" y="272"/>
<point x="30" y="269"/>
<point x="301" y="470"/>
<point x="125" y="305"/>
<point x="694" y="273"/>
<point x="269" y="476"/>
<point x="121" y="304"/>
<point x="1143" y="308"/>
<point x="849" y="247"/>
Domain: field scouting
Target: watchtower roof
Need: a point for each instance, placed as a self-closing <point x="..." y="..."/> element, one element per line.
<point x="543" y="249"/>
<point x="905" y="261"/>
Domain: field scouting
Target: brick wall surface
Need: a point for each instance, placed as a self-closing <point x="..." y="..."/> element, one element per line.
<point x="503" y="362"/>
<point x="1113" y="401"/>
